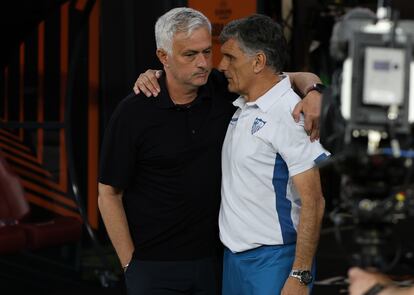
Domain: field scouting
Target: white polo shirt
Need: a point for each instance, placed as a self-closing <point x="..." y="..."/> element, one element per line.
<point x="264" y="147"/>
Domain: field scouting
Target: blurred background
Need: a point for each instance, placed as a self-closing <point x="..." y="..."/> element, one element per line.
<point x="64" y="67"/>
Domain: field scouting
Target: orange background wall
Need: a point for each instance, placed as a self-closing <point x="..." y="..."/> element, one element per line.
<point x="220" y="12"/>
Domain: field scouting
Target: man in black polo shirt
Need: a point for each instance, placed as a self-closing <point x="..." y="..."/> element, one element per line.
<point x="160" y="174"/>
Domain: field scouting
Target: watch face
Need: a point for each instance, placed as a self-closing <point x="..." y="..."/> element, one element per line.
<point x="306" y="277"/>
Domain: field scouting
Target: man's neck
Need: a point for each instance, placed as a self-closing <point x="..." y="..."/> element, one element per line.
<point x="260" y="85"/>
<point x="179" y="93"/>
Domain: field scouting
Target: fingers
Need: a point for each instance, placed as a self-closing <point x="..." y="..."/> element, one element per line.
<point x="315" y="132"/>
<point x="147" y="83"/>
<point x="158" y="73"/>
<point x="308" y="124"/>
<point x="143" y="85"/>
<point x="136" y="89"/>
<point x="311" y="124"/>
<point x="357" y="283"/>
<point x="150" y="79"/>
<point x="297" y="111"/>
<point x="353" y="272"/>
<point x="314" y="135"/>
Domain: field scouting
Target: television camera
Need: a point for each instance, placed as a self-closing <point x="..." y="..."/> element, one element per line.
<point x="366" y="122"/>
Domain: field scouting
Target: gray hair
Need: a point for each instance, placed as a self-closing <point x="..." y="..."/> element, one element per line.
<point x="177" y="20"/>
<point x="259" y="33"/>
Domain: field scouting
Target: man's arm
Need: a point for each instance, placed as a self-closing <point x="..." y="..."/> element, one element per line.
<point x="148" y="82"/>
<point x="308" y="186"/>
<point x="303" y="81"/>
<point x="311" y="102"/>
<point x="310" y="105"/>
<point x="362" y="281"/>
<point x="114" y="218"/>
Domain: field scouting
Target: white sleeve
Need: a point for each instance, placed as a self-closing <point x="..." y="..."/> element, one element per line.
<point x="294" y="145"/>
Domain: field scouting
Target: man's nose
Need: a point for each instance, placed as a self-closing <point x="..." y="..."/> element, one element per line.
<point x="201" y="60"/>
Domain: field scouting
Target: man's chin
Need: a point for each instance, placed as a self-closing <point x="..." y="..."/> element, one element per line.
<point x="200" y="81"/>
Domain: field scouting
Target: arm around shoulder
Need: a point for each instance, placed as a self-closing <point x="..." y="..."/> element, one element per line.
<point x="303" y="81"/>
<point x="310" y="105"/>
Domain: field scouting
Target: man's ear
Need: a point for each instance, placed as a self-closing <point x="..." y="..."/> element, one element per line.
<point x="162" y="56"/>
<point x="259" y="62"/>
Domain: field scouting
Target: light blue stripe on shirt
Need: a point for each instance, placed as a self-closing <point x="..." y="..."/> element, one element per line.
<point x="322" y="157"/>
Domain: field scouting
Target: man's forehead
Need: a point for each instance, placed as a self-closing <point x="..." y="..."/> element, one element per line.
<point x="194" y="41"/>
<point x="231" y="44"/>
<point x="201" y="32"/>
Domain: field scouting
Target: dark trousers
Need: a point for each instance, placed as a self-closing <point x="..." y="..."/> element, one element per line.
<point x="194" y="277"/>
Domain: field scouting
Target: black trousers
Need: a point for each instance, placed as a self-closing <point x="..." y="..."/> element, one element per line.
<point x="193" y="277"/>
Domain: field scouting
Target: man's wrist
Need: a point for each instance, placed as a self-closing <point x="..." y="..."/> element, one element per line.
<point x="303" y="275"/>
<point x="319" y="87"/>
<point x="125" y="264"/>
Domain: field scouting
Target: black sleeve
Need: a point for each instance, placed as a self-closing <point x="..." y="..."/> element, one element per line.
<point x="118" y="152"/>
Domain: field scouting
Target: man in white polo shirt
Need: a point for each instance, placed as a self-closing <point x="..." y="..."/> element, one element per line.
<point x="272" y="204"/>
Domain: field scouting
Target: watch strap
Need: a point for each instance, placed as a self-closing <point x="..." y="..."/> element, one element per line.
<point x="299" y="274"/>
<point x="317" y="87"/>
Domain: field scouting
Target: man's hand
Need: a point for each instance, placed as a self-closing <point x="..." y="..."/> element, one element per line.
<point x="294" y="287"/>
<point x="361" y="281"/>
<point x="147" y="83"/>
<point x="310" y="106"/>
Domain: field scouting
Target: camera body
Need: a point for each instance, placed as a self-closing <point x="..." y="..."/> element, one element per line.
<point x="366" y="122"/>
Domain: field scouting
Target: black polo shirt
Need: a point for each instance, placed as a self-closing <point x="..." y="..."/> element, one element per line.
<point x="167" y="159"/>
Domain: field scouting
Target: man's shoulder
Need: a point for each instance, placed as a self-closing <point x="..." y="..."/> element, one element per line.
<point x="135" y="102"/>
<point x="132" y="107"/>
<point x="133" y="99"/>
<point x="286" y="102"/>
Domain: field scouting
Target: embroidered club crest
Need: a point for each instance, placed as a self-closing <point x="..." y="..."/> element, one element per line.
<point x="257" y="125"/>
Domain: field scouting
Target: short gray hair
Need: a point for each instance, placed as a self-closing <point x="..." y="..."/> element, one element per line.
<point x="177" y="20"/>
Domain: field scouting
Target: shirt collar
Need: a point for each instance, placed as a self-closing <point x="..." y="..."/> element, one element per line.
<point x="265" y="101"/>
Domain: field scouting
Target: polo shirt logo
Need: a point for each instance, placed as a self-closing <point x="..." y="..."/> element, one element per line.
<point x="257" y="125"/>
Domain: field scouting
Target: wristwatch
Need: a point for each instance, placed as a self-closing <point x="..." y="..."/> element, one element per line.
<point x="304" y="276"/>
<point x="317" y="87"/>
